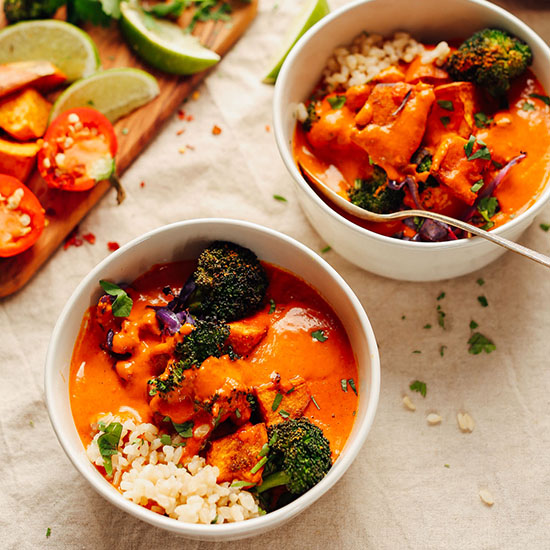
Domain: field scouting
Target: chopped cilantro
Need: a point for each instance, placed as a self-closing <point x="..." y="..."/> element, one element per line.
<point x="185" y="429"/>
<point x="479" y="343"/>
<point x="291" y="390"/>
<point x="352" y="385"/>
<point x="276" y="402"/>
<point x="108" y="444"/>
<point x="417" y="351"/>
<point x="545" y="226"/>
<point x="165" y="439"/>
<point x="482" y="153"/>
<point x="469" y="146"/>
<point x="447" y="465"/>
<point x="480" y="281"/>
<point x="419" y="386"/>
<point x="427" y="326"/>
<point x="477" y="186"/>
<point x="122" y="306"/>
<point x="445" y="120"/>
<point x="544" y="98"/>
<point x="272" y="306"/>
<point x="337" y="102"/>
<point x="527" y="106"/>
<point x="344" y="384"/>
<point x="473" y="325"/>
<point x="48" y="532"/>
<point x="487" y="207"/>
<point x="442" y="350"/>
<point x="319" y="335"/>
<point x="445" y="104"/>
<point x="279" y="198"/>
<point x="440" y="317"/>
<point x="215" y="520"/>
<point x="441" y="296"/>
<point x="326" y="249"/>
<point x="482" y="120"/>
<point x="483" y="301"/>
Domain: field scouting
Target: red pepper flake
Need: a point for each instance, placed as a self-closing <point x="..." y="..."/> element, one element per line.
<point x="112" y="246"/>
<point x="189" y="118"/>
<point x="216" y="130"/>
<point x="267" y="128"/>
<point x="72" y="239"/>
<point x="179" y="132"/>
<point x="90" y="237"/>
<point x="181" y="114"/>
<point x="190" y="147"/>
<point x="142" y="184"/>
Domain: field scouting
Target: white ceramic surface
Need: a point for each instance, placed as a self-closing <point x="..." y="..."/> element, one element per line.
<point x="429" y="20"/>
<point x="185" y="240"/>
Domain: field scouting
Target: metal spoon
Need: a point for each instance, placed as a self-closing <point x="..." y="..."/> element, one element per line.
<point x="363" y="214"/>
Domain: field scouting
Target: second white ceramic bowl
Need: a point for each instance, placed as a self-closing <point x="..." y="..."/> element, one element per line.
<point x="181" y="241"/>
<point x="426" y="20"/>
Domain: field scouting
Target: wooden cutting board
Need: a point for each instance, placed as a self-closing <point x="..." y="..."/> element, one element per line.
<point x="66" y="209"/>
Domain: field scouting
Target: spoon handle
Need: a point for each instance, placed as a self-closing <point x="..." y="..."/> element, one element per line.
<point x="510" y="245"/>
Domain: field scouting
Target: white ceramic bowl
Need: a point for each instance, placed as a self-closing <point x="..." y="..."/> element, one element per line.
<point x="429" y="20"/>
<point x="185" y="240"/>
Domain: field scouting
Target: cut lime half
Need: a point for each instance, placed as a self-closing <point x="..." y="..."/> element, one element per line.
<point x="66" y="46"/>
<point x="114" y="92"/>
<point x="163" y="44"/>
<point x="311" y="12"/>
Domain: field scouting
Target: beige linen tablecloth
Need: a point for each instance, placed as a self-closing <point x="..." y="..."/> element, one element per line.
<point x="413" y="485"/>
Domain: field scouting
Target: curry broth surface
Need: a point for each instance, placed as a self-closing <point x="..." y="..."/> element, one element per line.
<point x="288" y="349"/>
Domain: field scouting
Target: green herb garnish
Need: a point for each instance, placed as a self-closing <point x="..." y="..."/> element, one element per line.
<point x="215" y="520"/>
<point x="48" y="532"/>
<point x="482" y="120"/>
<point x="337" y="102"/>
<point x="277" y="402"/>
<point x="545" y="226"/>
<point x="272" y="306"/>
<point x="477" y="186"/>
<point x="419" y="387"/>
<point x="473" y="325"/>
<point x="480" y="281"/>
<point x="445" y="104"/>
<point x="427" y="326"/>
<point x="445" y="120"/>
<point x="237" y="484"/>
<point x="315" y="403"/>
<point x="469" y="146"/>
<point x="264" y="451"/>
<point x="319" y="335"/>
<point x="544" y="98"/>
<point x="487" y="207"/>
<point x="344" y="384"/>
<point x="108" y="442"/>
<point x="479" y="343"/>
<point x="442" y="350"/>
<point x="483" y="301"/>
<point x="185" y="429"/>
<point x="441" y="296"/>
<point x="326" y="249"/>
<point x="259" y="465"/>
<point x="440" y="317"/>
<point x="352" y="385"/>
<point x="165" y="439"/>
<point x="238" y="413"/>
<point x="284" y="413"/>
<point x="527" y="106"/>
<point x="279" y="198"/>
<point x="122" y="306"/>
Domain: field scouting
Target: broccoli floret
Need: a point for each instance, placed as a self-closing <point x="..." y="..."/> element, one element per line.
<point x="425" y="164"/>
<point x="21" y="10"/>
<point x="230" y="283"/>
<point x="373" y="194"/>
<point x="208" y="339"/>
<point x="299" y="456"/>
<point x="490" y="58"/>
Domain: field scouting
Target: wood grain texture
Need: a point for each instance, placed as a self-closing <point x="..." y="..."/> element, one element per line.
<point x="66" y="209"/>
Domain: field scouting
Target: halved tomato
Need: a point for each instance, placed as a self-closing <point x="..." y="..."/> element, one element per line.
<point x="79" y="150"/>
<point x="21" y="217"/>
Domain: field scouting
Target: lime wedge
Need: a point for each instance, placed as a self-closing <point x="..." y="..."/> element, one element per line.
<point x="311" y="12"/>
<point x="66" y="46"/>
<point x="163" y="44"/>
<point x="114" y="92"/>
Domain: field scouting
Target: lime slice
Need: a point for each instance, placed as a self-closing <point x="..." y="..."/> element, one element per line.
<point x="311" y="12"/>
<point x="114" y="92"/>
<point x="163" y="44"/>
<point x="66" y="46"/>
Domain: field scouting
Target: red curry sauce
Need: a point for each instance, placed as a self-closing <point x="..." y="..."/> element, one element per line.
<point x="335" y="150"/>
<point x="98" y="385"/>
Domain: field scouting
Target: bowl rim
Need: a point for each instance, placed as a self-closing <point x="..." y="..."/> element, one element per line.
<point x="249" y="527"/>
<point x="285" y="150"/>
